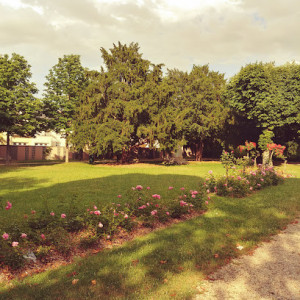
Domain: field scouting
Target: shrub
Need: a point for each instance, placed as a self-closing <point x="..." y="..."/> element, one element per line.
<point x="244" y="183"/>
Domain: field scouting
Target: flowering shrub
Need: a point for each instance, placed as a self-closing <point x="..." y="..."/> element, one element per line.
<point x="276" y="150"/>
<point x="44" y="232"/>
<point x="244" y="183"/>
<point x="228" y="160"/>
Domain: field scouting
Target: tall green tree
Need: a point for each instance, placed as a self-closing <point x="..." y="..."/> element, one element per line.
<point x="20" y="111"/>
<point x="64" y="84"/>
<point x="116" y="102"/>
<point x="269" y="96"/>
<point x="197" y="98"/>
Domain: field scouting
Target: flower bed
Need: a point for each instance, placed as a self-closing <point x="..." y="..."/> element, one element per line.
<point x="243" y="182"/>
<point x="43" y="234"/>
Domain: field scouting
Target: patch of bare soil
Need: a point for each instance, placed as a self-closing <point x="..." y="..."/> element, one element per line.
<point x="271" y="272"/>
<point x="56" y="260"/>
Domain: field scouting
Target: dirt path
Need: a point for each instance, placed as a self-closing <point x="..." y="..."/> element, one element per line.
<point x="272" y="272"/>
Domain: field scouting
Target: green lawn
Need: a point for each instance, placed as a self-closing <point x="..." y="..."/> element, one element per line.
<point x="166" y="264"/>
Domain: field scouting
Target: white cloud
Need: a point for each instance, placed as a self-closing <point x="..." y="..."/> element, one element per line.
<point x="227" y="34"/>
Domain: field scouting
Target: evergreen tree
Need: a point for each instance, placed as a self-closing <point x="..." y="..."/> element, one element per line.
<point x="197" y="101"/>
<point x="116" y="103"/>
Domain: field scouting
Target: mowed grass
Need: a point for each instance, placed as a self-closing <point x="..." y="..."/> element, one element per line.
<point x="166" y="264"/>
<point x="60" y="186"/>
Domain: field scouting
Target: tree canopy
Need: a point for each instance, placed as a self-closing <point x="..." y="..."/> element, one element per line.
<point x="116" y="101"/>
<point x="64" y="84"/>
<point x="20" y="111"/>
<point x="267" y="94"/>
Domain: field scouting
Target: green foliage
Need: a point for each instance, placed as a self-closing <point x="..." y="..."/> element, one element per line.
<point x="268" y="96"/>
<point x="64" y="83"/>
<point x="117" y="102"/>
<point x="264" y="139"/>
<point x="293" y="150"/>
<point x="10" y="256"/>
<point x="244" y="183"/>
<point x="228" y="160"/>
<point x="196" y="98"/>
<point x="20" y="111"/>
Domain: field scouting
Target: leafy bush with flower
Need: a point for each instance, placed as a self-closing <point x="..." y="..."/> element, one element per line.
<point x="243" y="183"/>
<point x="46" y="232"/>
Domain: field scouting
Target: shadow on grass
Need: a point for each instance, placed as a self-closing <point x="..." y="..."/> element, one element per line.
<point x="18" y="166"/>
<point x="168" y="263"/>
<point x="84" y="193"/>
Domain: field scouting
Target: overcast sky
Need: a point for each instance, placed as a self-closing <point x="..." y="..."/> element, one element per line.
<point x="226" y="34"/>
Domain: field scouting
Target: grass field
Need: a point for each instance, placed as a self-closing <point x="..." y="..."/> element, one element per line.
<point x="166" y="264"/>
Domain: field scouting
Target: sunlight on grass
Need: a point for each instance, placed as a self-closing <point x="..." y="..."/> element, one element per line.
<point x="165" y="264"/>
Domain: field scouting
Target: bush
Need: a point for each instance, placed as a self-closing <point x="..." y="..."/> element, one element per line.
<point x="245" y="183"/>
<point x="47" y="231"/>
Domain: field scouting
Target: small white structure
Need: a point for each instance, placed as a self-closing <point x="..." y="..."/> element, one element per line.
<point x="48" y="139"/>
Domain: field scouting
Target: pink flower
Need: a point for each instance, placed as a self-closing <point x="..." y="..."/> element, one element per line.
<point x="14" y="244"/>
<point x="63" y="216"/>
<point x="88" y="209"/>
<point x="23" y="235"/>
<point x="142" y="207"/>
<point x="100" y="225"/>
<point x="210" y="172"/>
<point x="239" y="177"/>
<point x="148" y="187"/>
<point x="8" y="205"/>
<point x="156" y="196"/>
<point x="207" y="191"/>
<point x="95" y="207"/>
<point x="193" y="196"/>
<point x="5" y="236"/>
<point x="191" y="205"/>
<point x="251" y="188"/>
<point x="119" y="196"/>
<point x="118" y="205"/>
<point x="182" y="188"/>
<point x="116" y="214"/>
<point x="262" y="179"/>
<point x="108" y="237"/>
<point x="52" y="213"/>
<point x="206" y="202"/>
<point x="125" y="216"/>
<point x="138" y="187"/>
<point x="167" y="213"/>
<point x="91" y="212"/>
<point x="259" y="185"/>
<point x="156" y="205"/>
<point x="183" y="203"/>
<point x="97" y="212"/>
<point x="33" y="212"/>
<point x="208" y="198"/>
<point x="153" y="212"/>
<point x="195" y="192"/>
<point x="43" y="236"/>
<point x="171" y="188"/>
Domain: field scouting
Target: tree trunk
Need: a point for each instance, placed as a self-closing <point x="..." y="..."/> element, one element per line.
<point x="265" y="157"/>
<point x="7" y="158"/>
<point x="199" y="151"/>
<point x="124" y="156"/>
<point x="67" y="150"/>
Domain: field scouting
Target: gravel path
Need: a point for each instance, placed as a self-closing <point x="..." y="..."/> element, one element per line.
<point x="272" y="272"/>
